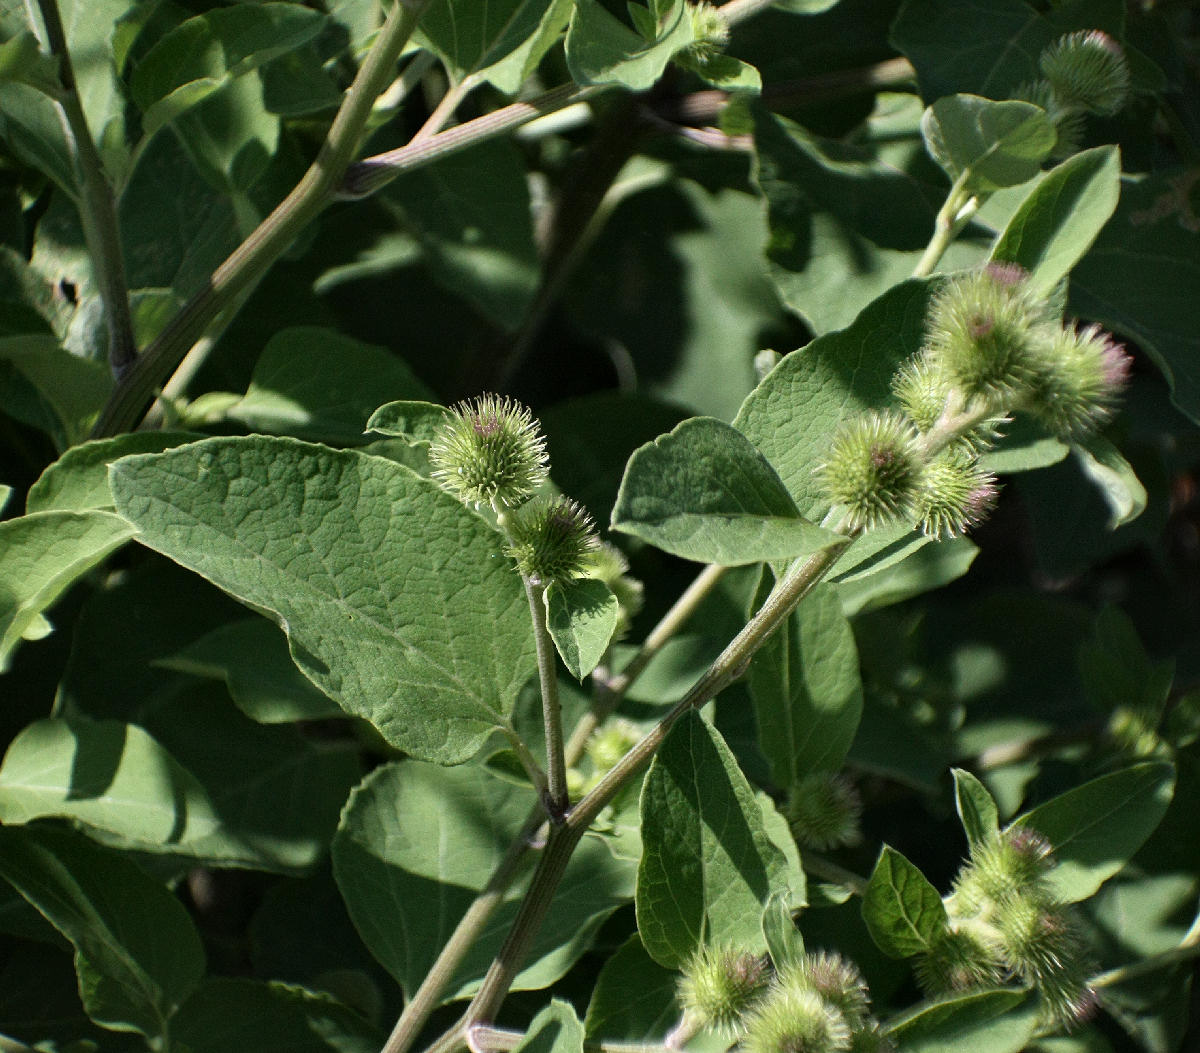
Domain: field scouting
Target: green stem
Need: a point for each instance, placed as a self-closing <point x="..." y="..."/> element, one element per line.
<point x="429" y="994"/>
<point x="274" y="234"/>
<point x="830" y="871"/>
<point x="484" y="1037"/>
<point x="372" y="173"/>
<point x="97" y="207"/>
<point x="557" y="801"/>
<point x="729" y="665"/>
<point x="955" y="213"/>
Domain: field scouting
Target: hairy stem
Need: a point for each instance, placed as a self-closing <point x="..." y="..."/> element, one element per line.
<point x="955" y="213"/>
<point x="557" y="801"/>
<point x="97" y="205"/>
<point x="273" y="235"/>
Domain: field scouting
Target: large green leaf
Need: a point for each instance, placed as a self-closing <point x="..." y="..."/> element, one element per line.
<point x="136" y="950"/>
<point x="928" y="566"/>
<point x="708" y="867"/>
<point x="998" y="143"/>
<point x="850" y="220"/>
<point x="603" y="50"/>
<point x="247" y="796"/>
<point x="792" y="415"/>
<point x="502" y="40"/>
<point x="807" y="691"/>
<point x="472" y="214"/>
<point x="983" y="1022"/>
<point x="205" y="53"/>
<point x="903" y="911"/>
<point x="43" y="385"/>
<point x="634" y="997"/>
<point x="251" y="658"/>
<point x="1141" y="275"/>
<point x="1096" y="828"/>
<point x="1057" y="223"/>
<point x="416" y="845"/>
<point x="78" y="480"/>
<point x="318" y="384"/>
<point x="705" y="493"/>
<point x="42" y="555"/>
<point x="227" y="1014"/>
<point x="390" y="591"/>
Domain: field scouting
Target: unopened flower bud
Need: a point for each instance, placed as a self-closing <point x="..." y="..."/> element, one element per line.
<point x="1080" y="375"/>
<point x="873" y="469"/>
<point x="795" y="1020"/>
<point x="489" y="451"/>
<point x="719" y="985"/>
<point x="823" y="810"/>
<point x="1012" y="864"/>
<point x="956" y="494"/>
<point x="552" y="541"/>
<point x="838" y="981"/>
<point x="710" y="34"/>
<point x="959" y="961"/>
<point x="982" y="330"/>
<point x="1088" y="71"/>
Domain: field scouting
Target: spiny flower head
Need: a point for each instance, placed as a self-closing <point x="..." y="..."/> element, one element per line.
<point x="959" y="960"/>
<point x="489" y="451"/>
<point x="719" y="985"/>
<point x="838" y="981"/>
<point x="1015" y="863"/>
<point x="552" y="540"/>
<point x="795" y="1020"/>
<point x="710" y="34"/>
<point x="873" y="469"/>
<point x="956" y="494"/>
<point x="1088" y="71"/>
<point x="611" y="742"/>
<point x="823" y="811"/>
<point x="982" y="330"/>
<point x="1079" y="377"/>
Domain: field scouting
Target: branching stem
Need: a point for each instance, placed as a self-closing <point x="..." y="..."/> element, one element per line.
<point x="955" y="213"/>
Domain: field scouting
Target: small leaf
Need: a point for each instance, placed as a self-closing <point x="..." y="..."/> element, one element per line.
<point x="227" y="1014"/>
<point x="415" y="421"/>
<point x="556" y="1029"/>
<point x="391" y="594"/>
<point x="708" y="866"/>
<point x="784" y="942"/>
<point x="807" y="690"/>
<point x="1123" y="492"/>
<point x="52" y="389"/>
<point x="1057" y="223"/>
<point x="1117" y="672"/>
<point x="705" y="493"/>
<point x="41" y="556"/>
<point x="21" y="59"/>
<point x="137" y="952"/>
<point x="1097" y="827"/>
<point x="976" y="809"/>
<point x="982" y="1022"/>
<point x="902" y="910"/>
<point x="1001" y="143"/>
<point x="634" y="997"/>
<point x="581" y="616"/>
<point x="603" y="50"/>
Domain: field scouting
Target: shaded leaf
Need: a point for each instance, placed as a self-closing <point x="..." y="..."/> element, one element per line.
<point x="705" y="493"/>
<point x="415" y="421"/>
<point x="1096" y="828"/>
<point x="634" y="997"/>
<point x="806" y="689"/>
<point x="137" y="952"/>
<point x="389" y="589"/>
<point x="902" y="910"/>
<point x="984" y="1022"/>
<point x="556" y="1029"/>
<point x="785" y="945"/>
<point x="708" y="866"/>
<point x="42" y="556"/>
<point x="227" y="1014"/>
<point x="603" y="50"/>
<point x="1121" y="489"/>
<point x="418" y="842"/>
